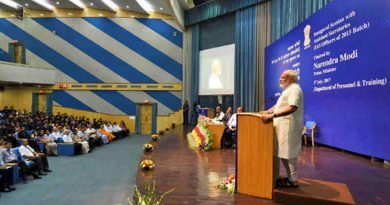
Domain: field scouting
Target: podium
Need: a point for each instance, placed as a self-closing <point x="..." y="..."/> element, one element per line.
<point x="217" y="130"/>
<point x="208" y="112"/>
<point x="254" y="160"/>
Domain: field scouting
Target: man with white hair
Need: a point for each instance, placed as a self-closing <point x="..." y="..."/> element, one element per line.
<point x="219" y="114"/>
<point x="287" y="115"/>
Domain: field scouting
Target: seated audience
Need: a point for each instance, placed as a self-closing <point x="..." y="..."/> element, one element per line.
<point x="28" y="154"/>
<point x="50" y="144"/>
<point x="91" y="132"/>
<point x="80" y="140"/>
<point x="6" y="177"/>
<point x="8" y="156"/>
<point x="56" y="135"/>
<point x="109" y="135"/>
<point x="228" y="115"/>
<point x="124" y="128"/>
<point x="219" y="114"/>
<point x="229" y="135"/>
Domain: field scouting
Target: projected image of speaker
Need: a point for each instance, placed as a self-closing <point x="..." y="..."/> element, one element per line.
<point x="215" y="76"/>
<point x="216" y="73"/>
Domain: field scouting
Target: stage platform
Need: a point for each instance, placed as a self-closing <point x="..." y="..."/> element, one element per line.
<point x="194" y="176"/>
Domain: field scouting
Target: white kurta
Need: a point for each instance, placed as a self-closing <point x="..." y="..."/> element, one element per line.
<point x="289" y="128"/>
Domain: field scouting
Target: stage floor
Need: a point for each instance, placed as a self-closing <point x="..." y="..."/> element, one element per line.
<point x="194" y="176"/>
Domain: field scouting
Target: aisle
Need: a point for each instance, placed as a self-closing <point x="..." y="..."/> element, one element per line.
<point x="105" y="176"/>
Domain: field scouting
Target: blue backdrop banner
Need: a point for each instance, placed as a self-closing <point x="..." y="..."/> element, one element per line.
<point x="342" y="55"/>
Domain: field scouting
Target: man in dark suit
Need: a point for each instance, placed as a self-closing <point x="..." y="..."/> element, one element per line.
<point x="185" y="112"/>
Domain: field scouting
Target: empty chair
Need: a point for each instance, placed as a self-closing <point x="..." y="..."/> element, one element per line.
<point x="309" y="129"/>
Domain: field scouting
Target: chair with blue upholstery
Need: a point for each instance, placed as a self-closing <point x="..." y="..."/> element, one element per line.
<point x="41" y="146"/>
<point x="309" y="129"/>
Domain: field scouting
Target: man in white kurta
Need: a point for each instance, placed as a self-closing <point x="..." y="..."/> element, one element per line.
<point x="287" y="115"/>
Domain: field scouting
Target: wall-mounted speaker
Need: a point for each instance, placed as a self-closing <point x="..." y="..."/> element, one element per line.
<point x="19" y="13"/>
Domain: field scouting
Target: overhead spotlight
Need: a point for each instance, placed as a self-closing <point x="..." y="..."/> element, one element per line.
<point x="58" y="3"/>
<point x="161" y="8"/>
<point x="91" y="4"/>
<point x="145" y="5"/>
<point x="78" y="3"/>
<point x="10" y="3"/>
<point x="127" y="6"/>
<point x="26" y="4"/>
<point x="44" y="4"/>
<point x="111" y="5"/>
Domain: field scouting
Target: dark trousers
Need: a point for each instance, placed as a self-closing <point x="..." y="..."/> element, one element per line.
<point x="126" y="132"/>
<point x="6" y="178"/>
<point x="97" y="141"/>
<point x="194" y="119"/>
<point x="228" y="138"/>
<point x="185" y="118"/>
<point x="77" y="148"/>
<point x="91" y="143"/>
<point x="42" y="162"/>
<point x="117" y="135"/>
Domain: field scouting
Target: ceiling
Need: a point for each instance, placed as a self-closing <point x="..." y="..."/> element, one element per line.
<point x="198" y="2"/>
<point x="158" y="6"/>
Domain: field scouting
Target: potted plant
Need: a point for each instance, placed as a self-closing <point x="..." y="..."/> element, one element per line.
<point x="148" y="148"/>
<point x="150" y="195"/>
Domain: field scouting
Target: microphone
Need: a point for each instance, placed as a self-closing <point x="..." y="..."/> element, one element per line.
<point x="270" y="98"/>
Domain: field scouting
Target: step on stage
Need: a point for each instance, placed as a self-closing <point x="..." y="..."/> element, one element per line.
<point x="317" y="192"/>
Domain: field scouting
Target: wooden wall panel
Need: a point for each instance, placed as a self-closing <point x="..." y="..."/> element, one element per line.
<point x="165" y="121"/>
<point x="19" y="97"/>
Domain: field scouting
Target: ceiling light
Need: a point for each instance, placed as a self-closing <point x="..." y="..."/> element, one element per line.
<point x="78" y="3"/>
<point x="10" y="3"/>
<point x="44" y="4"/>
<point x="100" y="14"/>
<point x="111" y="5"/>
<point x="127" y="6"/>
<point x="26" y="4"/>
<point x="91" y="4"/>
<point x="161" y="8"/>
<point x="145" y="5"/>
<point x="58" y="3"/>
